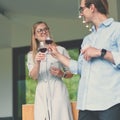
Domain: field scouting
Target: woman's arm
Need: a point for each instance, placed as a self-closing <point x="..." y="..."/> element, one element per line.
<point x="34" y="73"/>
<point x="34" y="66"/>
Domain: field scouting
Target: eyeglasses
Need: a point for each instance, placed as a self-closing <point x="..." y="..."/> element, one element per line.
<point x="81" y="9"/>
<point x="43" y="30"/>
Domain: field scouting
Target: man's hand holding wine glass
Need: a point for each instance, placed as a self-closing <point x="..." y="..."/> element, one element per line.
<point x="48" y="42"/>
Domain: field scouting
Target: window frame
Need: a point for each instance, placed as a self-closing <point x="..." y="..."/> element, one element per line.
<point x="19" y="70"/>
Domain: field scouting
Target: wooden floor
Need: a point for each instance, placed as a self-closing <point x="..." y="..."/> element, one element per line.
<point x="28" y="111"/>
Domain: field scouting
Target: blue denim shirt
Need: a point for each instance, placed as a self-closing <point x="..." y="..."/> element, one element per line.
<point x="99" y="86"/>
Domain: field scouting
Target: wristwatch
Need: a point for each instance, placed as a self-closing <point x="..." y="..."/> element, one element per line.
<point x="64" y="75"/>
<point x="103" y="52"/>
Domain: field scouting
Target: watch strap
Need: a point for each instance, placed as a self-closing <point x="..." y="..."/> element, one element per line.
<point x="103" y="52"/>
<point x="64" y="75"/>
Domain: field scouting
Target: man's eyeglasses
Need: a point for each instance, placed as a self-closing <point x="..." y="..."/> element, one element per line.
<point x="81" y="9"/>
<point x="42" y="30"/>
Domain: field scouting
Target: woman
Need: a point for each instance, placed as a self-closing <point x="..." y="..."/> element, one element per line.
<point x="52" y="98"/>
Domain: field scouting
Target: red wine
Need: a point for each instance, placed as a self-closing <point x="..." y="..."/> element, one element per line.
<point x="48" y="41"/>
<point x="43" y="50"/>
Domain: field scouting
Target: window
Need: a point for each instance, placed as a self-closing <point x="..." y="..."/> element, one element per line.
<point x="19" y="78"/>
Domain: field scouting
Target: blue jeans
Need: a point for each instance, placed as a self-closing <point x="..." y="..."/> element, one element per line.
<point x="112" y="113"/>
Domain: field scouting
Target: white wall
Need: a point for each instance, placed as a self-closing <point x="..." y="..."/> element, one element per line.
<point x="6" y="82"/>
<point x="61" y="29"/>
<point x="118" y="9"/>
<point x="113" y="9"/>
<point x="5" y="32"/>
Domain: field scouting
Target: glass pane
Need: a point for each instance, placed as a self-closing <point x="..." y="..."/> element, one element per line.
<point x="21" y="97"/>
<point x="19" y="89"/>
<point x="30" y="88"/>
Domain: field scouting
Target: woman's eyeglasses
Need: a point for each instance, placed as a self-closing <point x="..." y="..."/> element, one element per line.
<point x="42" y="30"/>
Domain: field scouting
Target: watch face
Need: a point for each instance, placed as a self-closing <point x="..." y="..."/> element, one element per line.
<point x="103" y="52"/>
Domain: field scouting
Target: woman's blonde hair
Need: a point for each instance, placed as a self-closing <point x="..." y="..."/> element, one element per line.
<point x="34" y="41"/>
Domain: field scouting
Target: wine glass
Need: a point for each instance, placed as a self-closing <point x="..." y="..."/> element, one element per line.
<point x="48" y="41"/>
<point x="54" y="66"/>
<point x="42" y="48"/>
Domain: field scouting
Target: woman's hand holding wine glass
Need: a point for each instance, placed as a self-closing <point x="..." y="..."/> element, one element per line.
<point x="41" y="52"/>
<point x="55" y="69"/>
<point x="39" y="56"/>
<point x="42" y="47"/>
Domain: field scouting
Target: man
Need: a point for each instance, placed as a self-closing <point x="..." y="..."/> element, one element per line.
<point x="98" y="64"/>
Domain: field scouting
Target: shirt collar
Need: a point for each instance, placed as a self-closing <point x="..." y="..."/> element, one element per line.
<point x="106" y="23"/>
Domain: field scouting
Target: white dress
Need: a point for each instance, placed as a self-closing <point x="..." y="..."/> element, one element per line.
<point x="51" y="98"/>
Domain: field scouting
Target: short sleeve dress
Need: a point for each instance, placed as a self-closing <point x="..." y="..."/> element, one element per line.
<point x="51" y="97"/>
